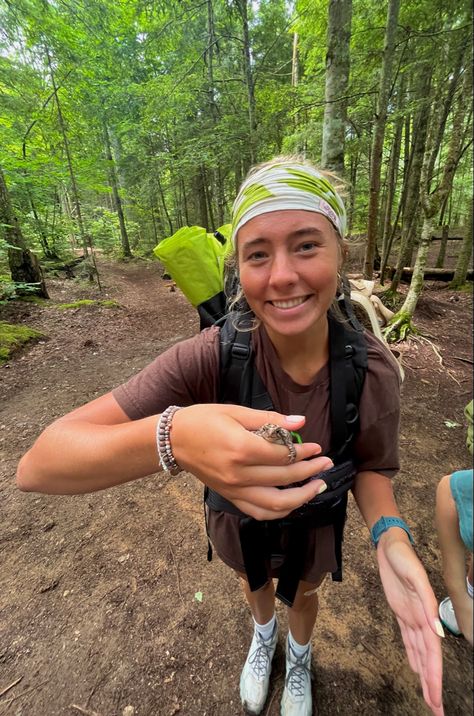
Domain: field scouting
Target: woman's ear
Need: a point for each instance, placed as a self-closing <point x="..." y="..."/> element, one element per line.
<point x="344" y="252"/>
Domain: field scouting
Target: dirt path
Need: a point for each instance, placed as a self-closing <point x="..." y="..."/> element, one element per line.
<point x="97" y="606"/>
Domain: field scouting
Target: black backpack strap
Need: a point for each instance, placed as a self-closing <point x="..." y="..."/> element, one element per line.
<point x="348" y="366"/>
<point x="240" y="382"/>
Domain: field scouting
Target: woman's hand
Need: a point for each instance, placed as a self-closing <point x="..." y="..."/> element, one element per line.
<point x="409" y="594"/>
<point x="215" y="443"/>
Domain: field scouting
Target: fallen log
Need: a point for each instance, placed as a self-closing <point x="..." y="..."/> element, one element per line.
<point x="429" y="274"/>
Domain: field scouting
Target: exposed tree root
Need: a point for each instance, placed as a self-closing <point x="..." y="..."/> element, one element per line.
<point x="399" y="328"/>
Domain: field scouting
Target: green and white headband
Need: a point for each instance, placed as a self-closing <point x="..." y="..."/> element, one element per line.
<point x="287" y="186"/>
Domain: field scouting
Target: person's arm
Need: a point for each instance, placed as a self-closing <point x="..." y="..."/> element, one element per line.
<point x="406" y="586"/>
<point x="97" y="446"/>
<point x="453" y="554"/>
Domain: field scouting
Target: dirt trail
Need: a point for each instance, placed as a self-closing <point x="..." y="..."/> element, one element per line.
<point x="97" y="606"/>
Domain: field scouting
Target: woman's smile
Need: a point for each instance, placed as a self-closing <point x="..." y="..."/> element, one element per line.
<point x="289" y="302"/>
<point x="288" y="264"/>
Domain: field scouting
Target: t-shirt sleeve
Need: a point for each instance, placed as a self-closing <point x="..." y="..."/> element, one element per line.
<point x="185" y="374"/>
<point x="377" y="444"/>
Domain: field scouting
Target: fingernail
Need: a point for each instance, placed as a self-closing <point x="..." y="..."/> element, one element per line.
<point x="295" y="418"/>
<point x="439" y="628"/>
<point x="322" y="488"/>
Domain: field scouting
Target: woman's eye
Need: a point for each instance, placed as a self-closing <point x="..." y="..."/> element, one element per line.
<point x="256" y="256"/>
<point x="307" y="246"/>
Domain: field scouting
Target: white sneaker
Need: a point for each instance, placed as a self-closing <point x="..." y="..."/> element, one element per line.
<point x="255" y="675"/>
<point x="448" y="617"/>
<point x="297" y="699"/>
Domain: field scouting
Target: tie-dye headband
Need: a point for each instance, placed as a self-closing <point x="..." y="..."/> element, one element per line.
<point x="287" y="186"/>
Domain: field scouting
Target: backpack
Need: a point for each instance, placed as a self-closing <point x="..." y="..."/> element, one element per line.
<point x="241" y="384"/>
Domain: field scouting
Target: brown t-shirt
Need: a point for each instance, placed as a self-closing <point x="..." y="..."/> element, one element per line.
<point x="188" y="373"/>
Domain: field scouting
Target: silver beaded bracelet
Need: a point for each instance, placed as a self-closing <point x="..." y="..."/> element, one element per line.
<point x="163" y="441"/>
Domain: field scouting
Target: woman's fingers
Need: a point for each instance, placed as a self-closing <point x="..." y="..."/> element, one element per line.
<point x="270" y="503"/>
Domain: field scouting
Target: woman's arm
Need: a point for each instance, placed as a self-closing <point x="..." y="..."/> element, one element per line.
<point x="97" y="446"/>
<point x="93" y="447"/>
<point x="406" y="586"/>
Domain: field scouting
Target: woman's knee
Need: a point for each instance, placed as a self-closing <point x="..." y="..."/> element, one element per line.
<point x="306" y="596"/>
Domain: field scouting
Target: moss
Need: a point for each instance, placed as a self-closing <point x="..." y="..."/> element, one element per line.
<point x="12" y="337"/>
<point x="87" y="302"/>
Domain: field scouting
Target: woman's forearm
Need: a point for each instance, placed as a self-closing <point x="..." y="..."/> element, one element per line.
<point x="76" y="456"/>
<point x="374" y="496"/>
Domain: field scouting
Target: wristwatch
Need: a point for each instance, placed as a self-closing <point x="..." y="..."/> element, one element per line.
<point x="384" y="524"/>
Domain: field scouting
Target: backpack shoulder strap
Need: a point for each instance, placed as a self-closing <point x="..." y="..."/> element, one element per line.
<point x="240" y="382"/>
<point x="348" y="366"/>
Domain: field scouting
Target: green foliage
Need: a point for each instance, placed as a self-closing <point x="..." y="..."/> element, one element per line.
<point x="12" y="337"/>
<point x="10" y="290"/>
<point x="172" y="91"/>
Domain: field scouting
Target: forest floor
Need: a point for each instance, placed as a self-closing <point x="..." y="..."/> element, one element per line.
<point x="98" y="613"/>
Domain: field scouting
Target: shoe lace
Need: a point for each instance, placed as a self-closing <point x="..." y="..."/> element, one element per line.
<point x="298" y="676"/>
<point x="260" y="659"/>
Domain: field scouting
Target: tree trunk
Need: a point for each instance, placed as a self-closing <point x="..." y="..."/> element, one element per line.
<point x="201" y="200"/>
<point x="414" y="175"/>
<point x="443" y="246"/>
<point x="379" y="135"/>
<point x="462" y="263"/>
<point x="294" y="62"/>
<point x="126" y="252"/>
<point x="391" y="186"/>
<point x="431" y="202"/>
<point x="352" y="189"/>
<point x="242" y="6"/>
<point x="75" y="193"/>
<point x="24" y="266"/>
<point x="337" y="82"/>
<point x="211" y="225"/>
<point x="163" y="202"/>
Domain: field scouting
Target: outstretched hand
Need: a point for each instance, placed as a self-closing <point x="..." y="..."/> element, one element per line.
<point x="215" y="443"/>
<point x="411" y="598"/>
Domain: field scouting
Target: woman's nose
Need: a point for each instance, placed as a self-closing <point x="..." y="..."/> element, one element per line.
<point x="282" y="271"/>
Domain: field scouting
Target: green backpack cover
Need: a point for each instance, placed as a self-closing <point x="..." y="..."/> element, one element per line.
<point x="195" y="260"/>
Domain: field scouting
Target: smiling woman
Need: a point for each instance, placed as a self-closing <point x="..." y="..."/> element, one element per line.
<point x="288" y="266"/>
<point x="339" y="389"/>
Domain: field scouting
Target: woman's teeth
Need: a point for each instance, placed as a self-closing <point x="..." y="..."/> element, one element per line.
<point x="288" y="304"/>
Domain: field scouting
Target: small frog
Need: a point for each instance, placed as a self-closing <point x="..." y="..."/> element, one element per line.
<point x="275" y="434"/>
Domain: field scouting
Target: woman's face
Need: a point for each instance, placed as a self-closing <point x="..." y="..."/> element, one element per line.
<point x="288" y="263"/>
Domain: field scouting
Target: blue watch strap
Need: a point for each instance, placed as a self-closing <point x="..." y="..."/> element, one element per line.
<point x="384" y="524"/>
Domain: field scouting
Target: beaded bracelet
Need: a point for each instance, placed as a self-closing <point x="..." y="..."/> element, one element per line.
<point x="163" y="442"/>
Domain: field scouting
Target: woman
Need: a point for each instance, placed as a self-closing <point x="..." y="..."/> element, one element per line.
<point x="288" y="229"/>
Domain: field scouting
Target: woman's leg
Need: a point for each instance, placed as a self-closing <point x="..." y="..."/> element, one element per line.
<point x="297" y="699"/>
<point x="255" y="676"/>
<point x="302" y="615"/>
<point x="261" y="602"/>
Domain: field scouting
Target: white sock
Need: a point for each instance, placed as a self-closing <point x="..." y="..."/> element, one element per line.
<point x="470" y="588"/>
<point x="298" y="649"/>
<point x="266" y="630"/>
